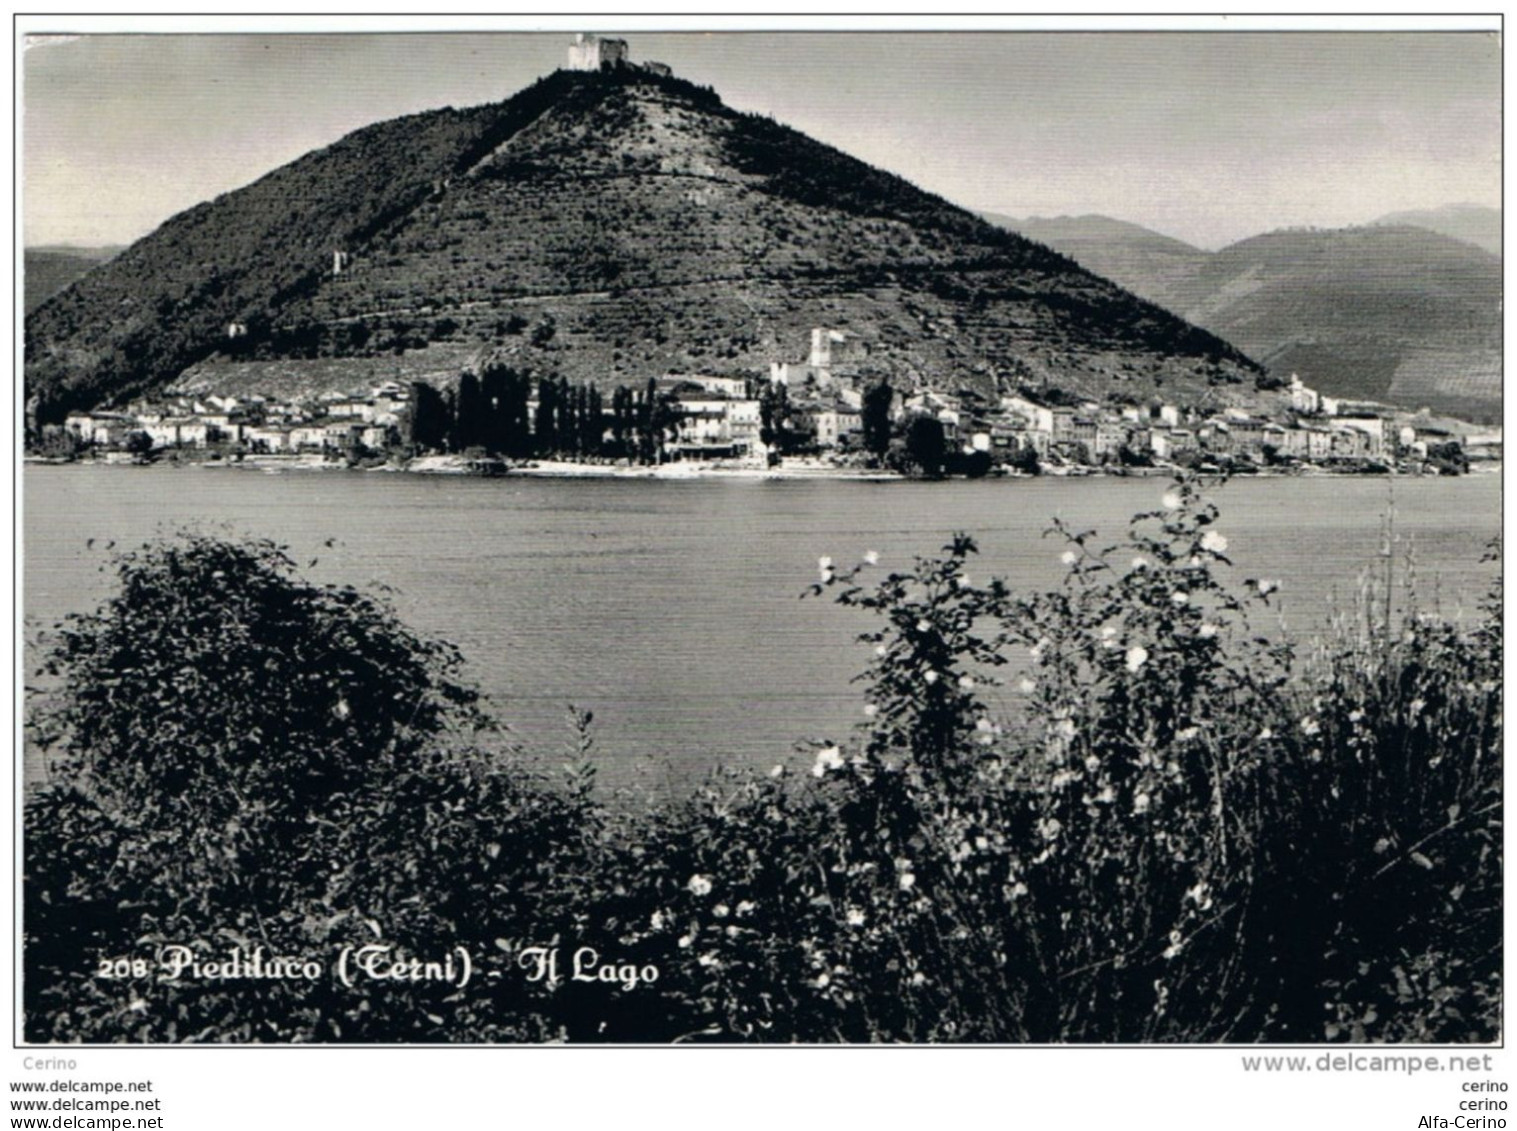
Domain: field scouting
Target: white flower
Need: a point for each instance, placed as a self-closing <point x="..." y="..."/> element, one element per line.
<point x="822" y="981"/>
<point x="1141" y="802"/>
<point x="1213" y="543"/>
<point x="685" y="941"/>
<point x="930" y="676"/>
<point x="721" y="911"/>
<point x="1187" y="734"/>
<point x="907" y="880"/>
<point x="656" y="921"/>
<point x="699" y="885"/>
<point x="870" y="710"/>
<point x="1106" y="796"/>
<point x="745" y="906"/>
<point x="1140" y="563"/>
<point x="872" y="558"/>
<point x="824" y="563"/>
<point x="1179" y="597"/>
<point x="1266" y="734"/>
<point x="1416" y="706"/>
<point x="880" y="650"/>
<point x="919" y="979"/>
<point x="1171" y="500"/>
<point x="966" y="683"/>
<point x="1049" y="828"/>
<point x="1069" y="557"/>
<point x="707" y="960"/>
<point x="1108" y="631"/>
<point x="1026" y="686"/>
<point x="1207" y="631"/>
<point x="1137" y="656"/>
<point x="1267" y="587"/>
<point x="341" y="709"/>
<point x="855" y="917"/>
<point x="828" y="758"/>
<point x="1309" y="727"/>
<point x="777" y="772"/>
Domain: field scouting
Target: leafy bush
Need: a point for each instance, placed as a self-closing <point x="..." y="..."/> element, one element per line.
<point x="1185" y="835"/>
<point x="1182" y="832"/>
<point x="244" y="759"/>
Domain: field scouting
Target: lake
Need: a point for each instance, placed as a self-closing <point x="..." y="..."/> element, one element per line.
<point x="670" y="608"/>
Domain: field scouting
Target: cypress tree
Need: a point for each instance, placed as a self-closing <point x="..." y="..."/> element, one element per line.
<point x="546" y="428"/>
<point x="468" y="414"/>
<point x="427" y="425"/>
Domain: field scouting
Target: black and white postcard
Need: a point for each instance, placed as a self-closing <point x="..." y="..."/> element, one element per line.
<point x="694" y="533"/>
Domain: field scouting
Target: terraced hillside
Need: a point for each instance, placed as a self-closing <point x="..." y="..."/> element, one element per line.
<point x="606" y="227"/>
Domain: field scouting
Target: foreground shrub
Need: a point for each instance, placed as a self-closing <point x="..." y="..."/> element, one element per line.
<point x="242" y="759"/>
<point x="1180" y="832"/>
<point x="1184" y="834"/>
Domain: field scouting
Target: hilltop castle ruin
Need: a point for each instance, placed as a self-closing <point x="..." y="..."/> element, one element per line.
<point x="591" y="53"/>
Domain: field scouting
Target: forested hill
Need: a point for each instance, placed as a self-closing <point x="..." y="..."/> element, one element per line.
<point x="1396" y="313"/>
<point x="604" y="227"/>
<point x="47" y="270"/>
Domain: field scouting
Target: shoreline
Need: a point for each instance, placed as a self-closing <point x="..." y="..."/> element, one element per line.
<point x="563" y="469"/>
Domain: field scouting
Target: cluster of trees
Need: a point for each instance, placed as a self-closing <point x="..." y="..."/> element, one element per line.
<point x="495" y="411"/>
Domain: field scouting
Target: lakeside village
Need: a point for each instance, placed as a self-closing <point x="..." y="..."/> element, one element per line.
<point x="823" y="416"/>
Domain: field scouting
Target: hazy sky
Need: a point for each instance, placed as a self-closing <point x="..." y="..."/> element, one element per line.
<point x="1207" y="137"/>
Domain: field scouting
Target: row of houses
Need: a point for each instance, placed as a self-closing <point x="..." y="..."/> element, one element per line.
<point x="330" y="422"/>
<point x="717" y="417"/>
<point x="1167" y="432"/>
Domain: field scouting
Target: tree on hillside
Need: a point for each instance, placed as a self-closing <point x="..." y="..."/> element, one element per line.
<point x="429" y="418"/>
<point x="774" y="417"/>
<point x="545" y="426"/>
<point x="468" y="414"/>
<point x="875" y="417"/>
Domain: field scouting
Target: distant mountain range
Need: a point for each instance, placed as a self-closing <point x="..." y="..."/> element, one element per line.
<point x="1157" y="267"/>
<point x="1470" y="223"/>
<point x="1398" y="313"/>
<point x="47" y="269"/>
<point x="606" y="227"/>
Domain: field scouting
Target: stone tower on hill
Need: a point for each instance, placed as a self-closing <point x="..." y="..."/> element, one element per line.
<point x="590" y="53"/>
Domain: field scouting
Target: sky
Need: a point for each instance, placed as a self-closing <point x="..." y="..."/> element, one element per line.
<point x="1208" y="137"/>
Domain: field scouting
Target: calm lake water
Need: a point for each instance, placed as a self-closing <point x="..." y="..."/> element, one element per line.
<point x="670" y="608"/>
